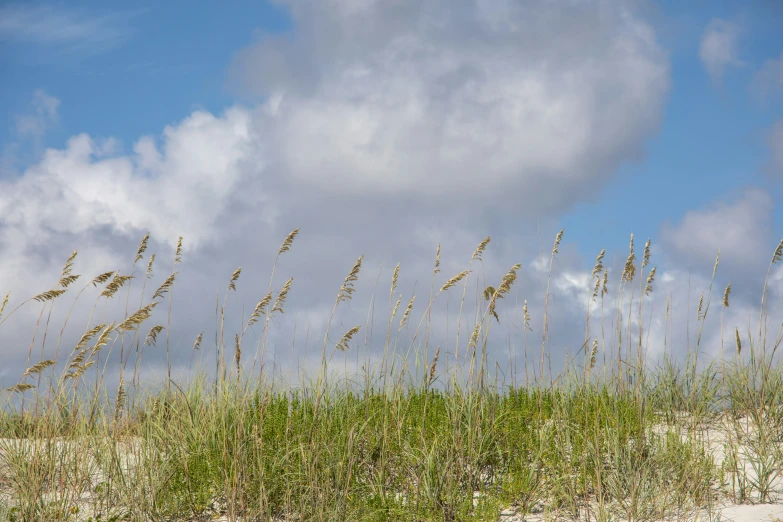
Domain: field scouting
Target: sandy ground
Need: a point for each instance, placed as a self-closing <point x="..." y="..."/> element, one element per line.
<point x="713" y="438"/>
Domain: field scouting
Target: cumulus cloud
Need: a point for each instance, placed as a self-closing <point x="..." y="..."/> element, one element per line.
<point x="768" y="80"/>
<point x="718" y="48"/>
<point x="43" y="115"/>
<point x="740" y="227"/>
<point x="398" y="99"/>
<point x="40" y="115"/>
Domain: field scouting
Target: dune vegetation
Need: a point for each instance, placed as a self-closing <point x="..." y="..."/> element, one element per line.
<point x="614" y="436"/>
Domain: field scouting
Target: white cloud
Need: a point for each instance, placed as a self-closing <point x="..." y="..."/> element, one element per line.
<point x="179" y="189"/>
<point x="740" y="228"/>
<point x="397" y="99"/>
<point x="768" y="81"/>
<point x="69" y="29"/>
<point x="43" y="115"/>
<point x="718" y="47"/>
<point x="30" y="129"/>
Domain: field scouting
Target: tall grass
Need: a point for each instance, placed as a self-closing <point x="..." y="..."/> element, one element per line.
<point x="624" y="440"/>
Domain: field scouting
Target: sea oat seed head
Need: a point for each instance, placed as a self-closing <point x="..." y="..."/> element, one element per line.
<point x="166" y="286"/>
<point x="278" y="306"/>
<point x="454" y="280"/>
<point x="650" y="278"/>
<point x="726" y="295"/>
<point x="715" y="268"/>
<point x="288" y="241"/>
<point x="234" y="278"/>
<point x="480" y="249"/>
<point x="178" y="252"/>
<point x="152" y="336"/>
<point x="142" y="248"/>
<point x="599" y="265"/>
<point x="558" y="238"/>
<point x="778" y="254"/>
<point x="407" y="311"/>
<point x="347" y="289"/>
<point x="343" y="344"/>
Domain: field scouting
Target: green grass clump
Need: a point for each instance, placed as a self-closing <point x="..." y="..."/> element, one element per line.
<point x="621" y="440"/>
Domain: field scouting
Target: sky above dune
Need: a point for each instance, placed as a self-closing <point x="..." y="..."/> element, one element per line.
<point x="384" y="129"/>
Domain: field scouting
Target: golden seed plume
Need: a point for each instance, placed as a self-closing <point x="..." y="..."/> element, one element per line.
<point x="778" y="254"/>
<point x="49" y="295"/>
<point x="701" y="302"/>
<point x="166" y="286"/>
<point x="178" y="252"/>
<point x="99" y="280"/>
<point x="394" y="313"/>
<point x="259" y="310"/>
<point x="395" y="275"/>
<point x="454" y="280"/>
<point x="593" y="353"/>
<point x="278" y="306"/>
<point x="138" y="317"/>
<point x="288" y="241"/>
<point x="87" y="336"/>
<point x="597" y="288"/>
<point x="119" y="403"/>
<point x="605" y="289"/>
<point x="526" y="318"/>
<point x="474" y="336"/>
<point x="480" y="249"/>
<point x="558" y="238"/>
<point x="66" y="278"/>
<point x="650" y="278"/>
<point x="599" y="265"/>
<point x="739" y="343"/>
<point x="152" y="336"/>
<point x="115" y="284"/>
<point x="149" y="266"/>
<point x="5" y="302"/>
<point x="407" y="311"/>
<point x="234" y="278"/>
<point x="726" y="295"/>
<point x="504" y="288"/>
<point x="142" y="248"/>
<point x="437" y="261"/>
<point x="489" y="292"/>
<point x="103" y="339"/>
<point x="237" y="352"/>
<point x="434" y="365"/>
<point x="343" y="344"/>
<point x="630" y="268"/>
<point x="646" y="256"/>
<point x="347" y="289"/>
<point x="20" y="388"/>
<point x="197" y="344"/>
<point x="38" y="368"/>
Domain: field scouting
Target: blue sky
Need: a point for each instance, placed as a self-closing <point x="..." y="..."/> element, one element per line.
<point x="606" y="119"/>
